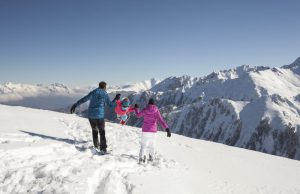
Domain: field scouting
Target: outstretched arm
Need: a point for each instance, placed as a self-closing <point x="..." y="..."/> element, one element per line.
<point x="110" y="103"/>
<point x="163" y="123"/>
<point x="84" y="99"/>
<point x="161" y="120"/>
<point x="139" y="113"/>
<point x="131" y="109"/>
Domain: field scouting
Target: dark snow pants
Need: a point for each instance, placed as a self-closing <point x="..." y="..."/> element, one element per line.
<point x="98" y="126"/>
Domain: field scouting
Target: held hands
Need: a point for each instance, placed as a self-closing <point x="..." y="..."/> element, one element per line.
<point x="168" y="132"/>
<point x="73" y="109"/>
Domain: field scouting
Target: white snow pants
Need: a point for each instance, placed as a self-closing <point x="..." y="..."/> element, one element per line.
<point x="147" y="144"/>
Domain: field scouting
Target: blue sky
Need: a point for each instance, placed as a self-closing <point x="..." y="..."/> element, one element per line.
<point x="79" y="42"/>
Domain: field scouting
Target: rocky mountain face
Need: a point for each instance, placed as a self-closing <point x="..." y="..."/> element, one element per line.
<point x="255" y="108"/>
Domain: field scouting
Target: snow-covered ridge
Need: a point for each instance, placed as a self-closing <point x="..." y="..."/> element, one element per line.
<point x="50" y="152"/>
<point x="234" y="73"/>
<point x="256" y="108"/>
<point x="295" y="66"/>
<point x="135" y="87"/>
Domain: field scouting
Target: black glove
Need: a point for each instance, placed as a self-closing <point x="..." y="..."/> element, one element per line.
<point x="118" y="96"/>
<point x="136" y="106"/>
<point x="73" y="109"/>
<point x="168" y="132"/>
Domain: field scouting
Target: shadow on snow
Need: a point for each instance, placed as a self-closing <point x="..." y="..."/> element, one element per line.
<point x="65" y="140"/>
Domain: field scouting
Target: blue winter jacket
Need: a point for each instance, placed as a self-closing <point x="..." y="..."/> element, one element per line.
<point x="98" y="100"/>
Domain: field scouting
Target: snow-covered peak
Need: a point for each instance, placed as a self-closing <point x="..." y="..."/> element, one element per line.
<point x="234" y="73"/>
<point x="295" y="66"/>
<point x="59" y="88"/>
<point x="134" y="87"/>
<point x="174" y="83"/>
<point x="296" y="63"/>
<point x="141" y="86"/>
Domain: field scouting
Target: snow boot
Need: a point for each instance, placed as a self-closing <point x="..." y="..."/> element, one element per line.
<point x="103" y="151"/>
<point x="150" y="158"/>
<point x="143" y="160"/>
<point x="140" y="161"/>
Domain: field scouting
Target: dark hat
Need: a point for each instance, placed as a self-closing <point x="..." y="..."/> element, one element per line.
<point x="151" y="101"/>
<point x="102" y="85"/>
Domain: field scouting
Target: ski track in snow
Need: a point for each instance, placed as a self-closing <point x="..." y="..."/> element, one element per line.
<point x="58" y="167"/>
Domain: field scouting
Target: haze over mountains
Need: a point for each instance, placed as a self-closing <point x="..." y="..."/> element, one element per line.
<point x="59" y="96"/>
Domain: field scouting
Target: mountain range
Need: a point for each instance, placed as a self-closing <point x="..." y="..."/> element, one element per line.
<point x="255" y="108"/>
<point x="252" y="107"/>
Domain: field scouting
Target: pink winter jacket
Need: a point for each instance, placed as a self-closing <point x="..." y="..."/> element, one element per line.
<point x="151" y="115"/>
<point x="119" y="110"/>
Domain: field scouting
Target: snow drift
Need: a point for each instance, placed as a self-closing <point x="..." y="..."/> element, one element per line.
<point x="49" y="152"/>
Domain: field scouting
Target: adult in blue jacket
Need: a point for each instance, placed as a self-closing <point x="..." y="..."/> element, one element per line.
<point x="98" y="100"/>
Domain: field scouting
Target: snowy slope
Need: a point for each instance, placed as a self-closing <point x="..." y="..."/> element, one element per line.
<point x="257" y="108"/>
<point x="48" y="152"/>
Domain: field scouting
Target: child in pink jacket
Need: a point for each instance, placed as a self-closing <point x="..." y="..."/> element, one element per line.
<point x="151" y="115"/>
<point x="122" y="108"/>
